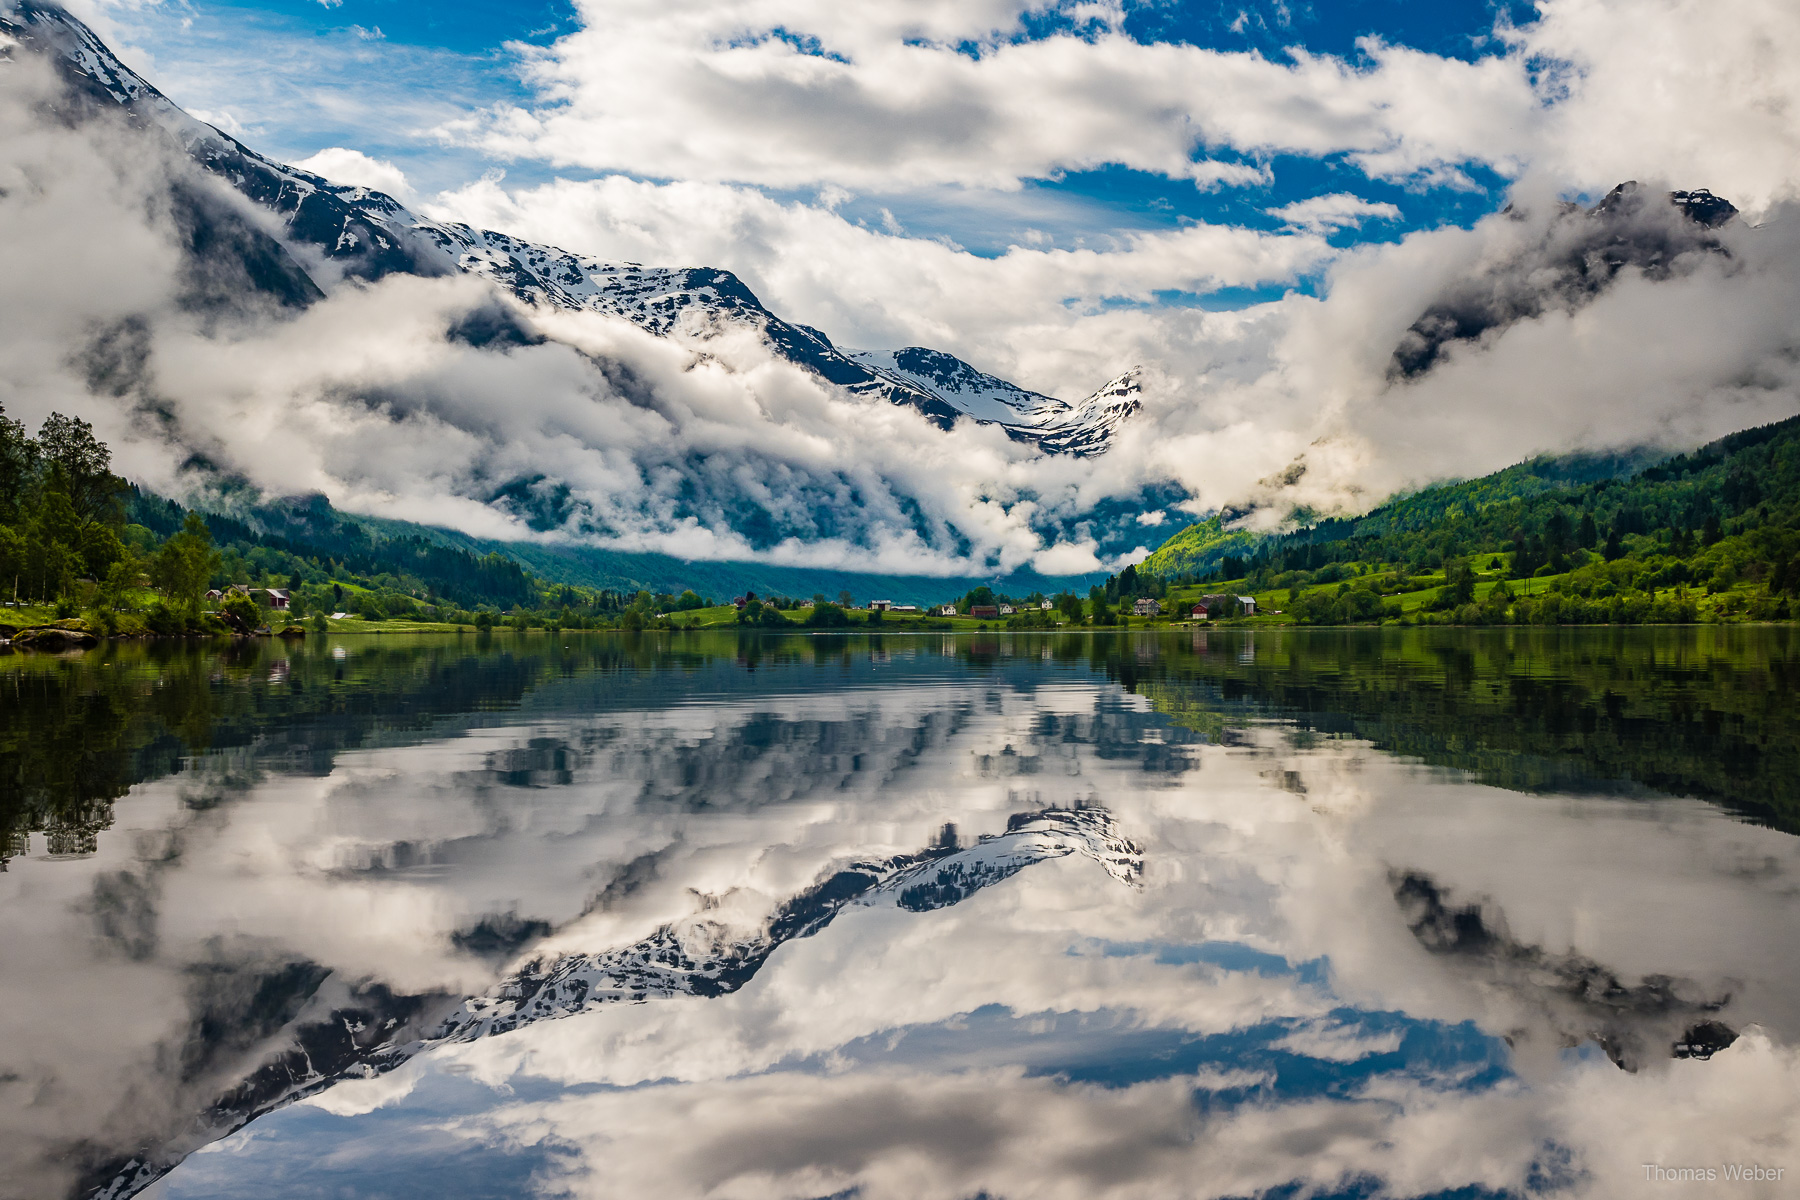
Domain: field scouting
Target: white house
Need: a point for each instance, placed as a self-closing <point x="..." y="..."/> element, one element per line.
<point x="948" y="610"/>
<point x="1007" y="610"/>
<point x="1148" y="606"/>
<point x="1047" y="605"/>
<point x="1249" y="603"/>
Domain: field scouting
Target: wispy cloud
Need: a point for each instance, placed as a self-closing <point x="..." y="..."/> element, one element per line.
<point x="1326" y="214"/>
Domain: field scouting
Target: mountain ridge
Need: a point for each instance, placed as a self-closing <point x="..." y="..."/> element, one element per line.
<point x="310" y="527"/>
<point x="367" y="234"/>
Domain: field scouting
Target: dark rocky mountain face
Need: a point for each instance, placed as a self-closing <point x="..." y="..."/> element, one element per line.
<point x="229" y="258"/>
<point x="1579" y="256"/>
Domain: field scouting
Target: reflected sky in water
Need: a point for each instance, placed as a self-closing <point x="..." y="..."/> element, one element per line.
<point x="1360" y="915"/>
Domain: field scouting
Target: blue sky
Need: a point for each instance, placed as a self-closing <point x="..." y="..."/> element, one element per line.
<point x="296" y="76"/>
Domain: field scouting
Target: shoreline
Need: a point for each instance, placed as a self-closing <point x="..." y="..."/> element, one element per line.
<point x="55" y="639"/>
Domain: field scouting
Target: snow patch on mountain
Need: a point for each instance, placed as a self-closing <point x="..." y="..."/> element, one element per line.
<point x="1090" y="424"/>
<point x="1084" y="427"/>
<point x="976" y="393"/>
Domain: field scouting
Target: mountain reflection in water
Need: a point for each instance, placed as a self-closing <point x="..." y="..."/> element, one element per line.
<point x="1470" y="913"/>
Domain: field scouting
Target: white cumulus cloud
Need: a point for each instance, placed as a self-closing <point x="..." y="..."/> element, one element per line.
<point x="342" y="165"/>
<point x="795" y="92"/>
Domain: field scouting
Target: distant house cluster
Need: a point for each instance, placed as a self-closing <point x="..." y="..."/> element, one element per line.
<point x="980" y="612"/>
<point x="1208" y="608"/>
<point x="1215" y="606"/>
<point x="275" y="598"/>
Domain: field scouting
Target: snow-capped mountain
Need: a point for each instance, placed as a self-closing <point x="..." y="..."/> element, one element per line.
<point x="694" y="957"/>
<point x="357" y="232"/>
<point x="1092" y="422"/>
<point x="953" y="381"/>
<point x="1056" y="425"/>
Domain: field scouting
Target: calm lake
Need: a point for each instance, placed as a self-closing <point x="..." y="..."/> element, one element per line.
<point x="1337" y="913"/>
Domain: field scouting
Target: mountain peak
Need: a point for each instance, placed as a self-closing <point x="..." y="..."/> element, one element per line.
<point x="1699" y="205"/>
<point x="1578" y="254"/>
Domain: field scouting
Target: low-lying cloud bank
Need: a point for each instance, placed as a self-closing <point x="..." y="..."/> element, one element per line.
<point x="1669" y="351"/>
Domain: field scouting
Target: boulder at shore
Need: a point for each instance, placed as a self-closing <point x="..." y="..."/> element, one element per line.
<point x="49" y="637"/>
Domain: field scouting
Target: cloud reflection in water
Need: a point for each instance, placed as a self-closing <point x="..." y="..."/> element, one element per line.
<point x="1267" y="1011"/>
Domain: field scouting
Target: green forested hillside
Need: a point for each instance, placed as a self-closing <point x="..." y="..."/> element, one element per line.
<point x="1712" y="534"/>
<point x="1199" y="550"/>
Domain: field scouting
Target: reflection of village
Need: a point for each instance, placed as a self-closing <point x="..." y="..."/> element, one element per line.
<point x="69" y="832"/>
<point x="1208" y="608"/>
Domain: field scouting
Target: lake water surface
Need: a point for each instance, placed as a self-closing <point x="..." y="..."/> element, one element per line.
<point x="1430" y="913"/>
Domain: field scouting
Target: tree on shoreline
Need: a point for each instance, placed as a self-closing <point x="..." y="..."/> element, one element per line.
<point x="184" y="565"/>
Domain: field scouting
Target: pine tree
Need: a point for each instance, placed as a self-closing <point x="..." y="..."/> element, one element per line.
<point x="1588" y="533"/>
<point x="1524" y="560"/>
<point x="1459" y="583"/>
<point x="1615" y="544"/>
<point x="1556" y="535"/>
